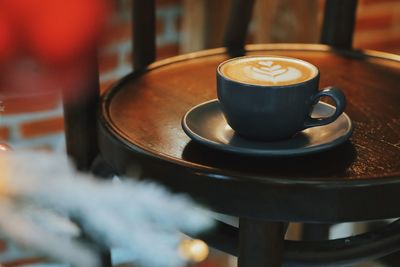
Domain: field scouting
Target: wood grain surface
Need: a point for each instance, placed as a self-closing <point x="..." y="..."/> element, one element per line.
<point x="143" y="114"/>
<point x="148" y="111"/>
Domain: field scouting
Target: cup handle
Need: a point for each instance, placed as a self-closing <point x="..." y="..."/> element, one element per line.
<point x="340" y="102"/>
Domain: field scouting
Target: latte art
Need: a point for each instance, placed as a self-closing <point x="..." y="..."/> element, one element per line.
<point x="270" y="71"/>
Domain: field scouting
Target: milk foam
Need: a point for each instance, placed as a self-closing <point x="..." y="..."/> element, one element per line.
<point x="268" y="70"/>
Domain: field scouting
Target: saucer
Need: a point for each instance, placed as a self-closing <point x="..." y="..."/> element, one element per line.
<point x="206" y="124"/>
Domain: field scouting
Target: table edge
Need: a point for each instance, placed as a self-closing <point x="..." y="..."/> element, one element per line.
<point x="118" y="135"/>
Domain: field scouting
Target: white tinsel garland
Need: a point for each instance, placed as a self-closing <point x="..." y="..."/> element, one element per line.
<point x="39" y="192"/>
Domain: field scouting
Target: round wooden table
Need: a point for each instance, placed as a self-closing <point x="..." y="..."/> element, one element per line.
<point x="140" y="130"/>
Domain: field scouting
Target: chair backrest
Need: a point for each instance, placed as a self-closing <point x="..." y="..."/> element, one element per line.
<point x="337" y="30"/>
<point x="80" y="120"/>
<point x="81" y="116"/>
<point x="338" y="25"/>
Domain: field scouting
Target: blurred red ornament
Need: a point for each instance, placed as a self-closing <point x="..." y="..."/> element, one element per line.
<point x="7" y="42"/>
<point x="47" y="44"/>
<point x="57" y="31"/>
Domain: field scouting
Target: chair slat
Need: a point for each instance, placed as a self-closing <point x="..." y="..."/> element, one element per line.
<point x="338" y="25"/>
<point x="237" y="26"/>
<point x="144" y="42"/>
<point x="80" y="119"/>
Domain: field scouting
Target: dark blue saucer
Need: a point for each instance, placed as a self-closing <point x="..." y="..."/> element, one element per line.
<point x="206" y="124"/>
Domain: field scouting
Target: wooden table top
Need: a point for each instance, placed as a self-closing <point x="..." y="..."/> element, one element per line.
<point x="144" y="113"/>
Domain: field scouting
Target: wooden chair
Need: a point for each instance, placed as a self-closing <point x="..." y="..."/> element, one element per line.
<point x="137" y="125"/>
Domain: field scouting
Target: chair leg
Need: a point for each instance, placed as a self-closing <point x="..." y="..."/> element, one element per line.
<point x="260" y="243"/>
<point x="105" y="258"/>
<point x="313" y="231"/>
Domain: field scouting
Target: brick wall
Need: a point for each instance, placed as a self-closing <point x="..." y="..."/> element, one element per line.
<point x="115" y="56"/>
<point x="378" y="25"/>
<point x="35" y="121"/>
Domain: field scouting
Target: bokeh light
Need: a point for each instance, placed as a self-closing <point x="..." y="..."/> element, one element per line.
<point x="194" y="250"/>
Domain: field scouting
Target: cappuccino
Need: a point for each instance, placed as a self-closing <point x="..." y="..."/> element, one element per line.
<point x="268" y="70"/>
<point x="270" y="97"/>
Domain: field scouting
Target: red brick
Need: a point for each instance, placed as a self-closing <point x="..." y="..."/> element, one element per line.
<point x="381" y="21"/>
<point x="3" y="245"/>
<point x="250" y="38"/>
<point x="377" y="7"/>
<point x="42" y="127"/>
<point x="167" y="51"/>
<point x="4" y="135"/>
<point x="178" y="24"/>
<point x="122" y="31"/>
<point x="116" y="33"/>
<point x="22" y="262"/>
<point x="368" y="2"/>
<point x="390" y="45"/>
<point x="128" y="58"/>
<point x="32" y="103"/>
<point x="108" y="62"/>
<point x="160" y="26"/>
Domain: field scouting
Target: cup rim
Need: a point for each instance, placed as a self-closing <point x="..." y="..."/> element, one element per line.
<point x="317" y="73"/>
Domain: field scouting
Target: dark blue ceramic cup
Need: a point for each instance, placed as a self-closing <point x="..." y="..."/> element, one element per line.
<point x="273" y="112"/>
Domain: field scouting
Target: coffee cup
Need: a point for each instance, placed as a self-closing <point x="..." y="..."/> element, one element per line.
<point x="272" y="97"/>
